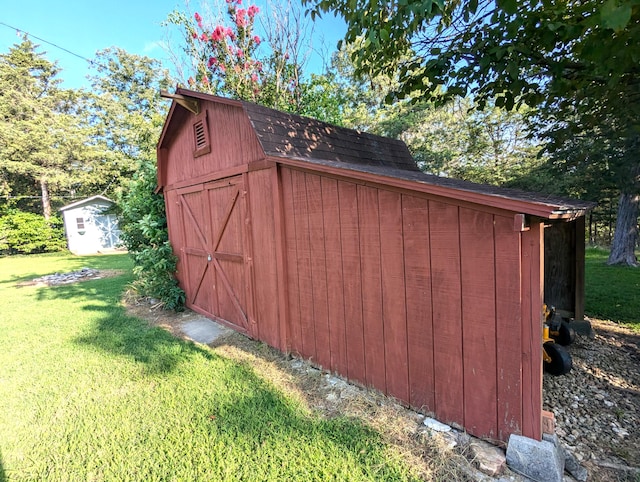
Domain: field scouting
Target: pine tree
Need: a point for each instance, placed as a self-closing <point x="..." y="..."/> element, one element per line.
<point x="40" y="142"/>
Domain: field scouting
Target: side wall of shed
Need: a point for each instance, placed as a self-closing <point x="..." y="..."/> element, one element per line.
<point x="420" y="298"/>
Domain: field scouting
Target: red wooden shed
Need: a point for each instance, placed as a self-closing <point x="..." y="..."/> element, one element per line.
<point x="331" y="244"/>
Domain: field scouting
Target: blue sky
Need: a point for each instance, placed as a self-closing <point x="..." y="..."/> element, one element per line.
<point x="86" y="26"/>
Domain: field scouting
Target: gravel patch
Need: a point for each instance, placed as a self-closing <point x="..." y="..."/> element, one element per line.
<point x="84" y="274"/>
<point x="597" y="405"/>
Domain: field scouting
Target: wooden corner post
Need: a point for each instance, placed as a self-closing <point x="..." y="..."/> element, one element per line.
<point x="532" y="300"/>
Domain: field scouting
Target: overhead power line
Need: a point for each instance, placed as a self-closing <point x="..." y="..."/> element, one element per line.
<point x="19" y="30"/>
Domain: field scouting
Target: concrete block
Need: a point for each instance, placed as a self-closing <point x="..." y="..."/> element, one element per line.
<point x="542" y="461"/>
<point x="204" y="330"/>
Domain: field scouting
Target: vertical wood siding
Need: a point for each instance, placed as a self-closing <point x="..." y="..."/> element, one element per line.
<point x="264" y="255"/>
<point x="335" y="282"/>
<point x="479" y="321"/>
<point x="508" y="327"/>
<point x="418" y="288"/>
<point x="352" y="280"/>
<point x="415" y="297"/>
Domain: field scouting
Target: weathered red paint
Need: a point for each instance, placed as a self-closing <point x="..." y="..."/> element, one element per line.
<point x="331" y="244"/>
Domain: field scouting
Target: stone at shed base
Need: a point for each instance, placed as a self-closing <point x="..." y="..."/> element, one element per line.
<point x="433" y="424"/>
<point x="537" y="460"/>
<point x="582" y="327"/>
<point x="489" y="459"/>
<point x="572" y="466"/>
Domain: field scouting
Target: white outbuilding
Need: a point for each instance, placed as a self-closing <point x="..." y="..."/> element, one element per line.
<point x="88" y="227"/>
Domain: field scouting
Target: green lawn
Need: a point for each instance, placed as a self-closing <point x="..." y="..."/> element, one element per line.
<point x="611" y="292"/>
<point x="88" y="393"/>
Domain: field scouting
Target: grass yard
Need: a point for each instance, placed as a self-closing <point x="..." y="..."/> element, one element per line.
<point x="611" y="292"/>
<point x="88" y="393"/>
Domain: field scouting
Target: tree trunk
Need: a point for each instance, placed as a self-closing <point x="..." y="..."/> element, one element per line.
<point x="46" y="199"/>
<point x="626" y="234"/>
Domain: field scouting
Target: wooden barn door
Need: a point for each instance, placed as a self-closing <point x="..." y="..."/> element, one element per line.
<point x="216" y="245"/>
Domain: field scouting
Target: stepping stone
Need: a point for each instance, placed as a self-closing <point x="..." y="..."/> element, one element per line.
<point x="203" y="330"/>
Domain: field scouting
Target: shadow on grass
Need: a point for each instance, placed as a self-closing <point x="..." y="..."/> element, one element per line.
<point x="270" y="426"/>
<point x="14" y="279"/>
<point x="3" y="475"/>
<point x="258" y="420"/>
<point x="114" y="331"/>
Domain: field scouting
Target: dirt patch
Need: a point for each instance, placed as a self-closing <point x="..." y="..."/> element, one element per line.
<point x="84" y="274"/>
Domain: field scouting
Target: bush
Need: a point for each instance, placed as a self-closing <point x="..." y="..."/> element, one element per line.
<point x="143" y="225"/>
<point x="29" y="233"/>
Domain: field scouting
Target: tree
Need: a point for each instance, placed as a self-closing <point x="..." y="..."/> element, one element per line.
<point x="40" y="142"/>
<point x="126" y="117"/>
<point x="227" y="56"/>
<point x="490" y="146"/>
<point x="576" y="61"/>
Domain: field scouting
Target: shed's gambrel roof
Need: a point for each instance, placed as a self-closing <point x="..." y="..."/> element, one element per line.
<point x="303" y="142"/>
<point x="282" y="134"/>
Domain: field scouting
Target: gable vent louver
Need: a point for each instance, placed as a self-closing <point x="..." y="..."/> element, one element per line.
<point x="201" y="136"/>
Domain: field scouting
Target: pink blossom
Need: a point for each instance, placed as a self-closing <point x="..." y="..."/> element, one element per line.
<point x="198" y="17"/>
<point x="239" y="2"/>
<point x="191" y="81"/>
<point x="259" y="66"/>
<point x="223" y="69"/>
<point x="241" y="21"/>
<point x="230" y="33"/>
<point x="205" y="80"/>
<point x="212" y="61"/>
<point x="240" y="53"/>
<point x="194" y="35"/>
<point x="252" y="11"/>
<point x="254" y="77"/>
<point x="256" y="39"/>
<point x="204" y="37"/>
<point x="218" y="33"/>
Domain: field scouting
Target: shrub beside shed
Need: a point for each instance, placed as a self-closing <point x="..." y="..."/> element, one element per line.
<point x="331" y="244"/>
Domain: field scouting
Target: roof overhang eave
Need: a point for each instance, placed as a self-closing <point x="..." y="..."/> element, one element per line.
<point x="531" y="208"/>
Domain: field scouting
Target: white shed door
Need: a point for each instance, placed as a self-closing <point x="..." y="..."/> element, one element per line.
<point x="107" y="226"/>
